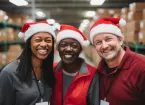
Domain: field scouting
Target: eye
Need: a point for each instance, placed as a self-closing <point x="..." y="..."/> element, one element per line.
<point x="48" y="41"/>
<point x="38" y="40"/>
<point x="97" y="42"/>
<point x="62" y="45"/>
<point x="108" y="39"/>
<point x="74" y="45"/>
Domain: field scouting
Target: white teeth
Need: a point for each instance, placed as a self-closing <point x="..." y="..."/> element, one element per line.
<point x="68" y="56"/>
<point x="42" y="51"/>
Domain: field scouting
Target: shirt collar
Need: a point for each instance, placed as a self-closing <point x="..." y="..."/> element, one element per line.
<point x="125" y="62"/>
<point x="83" y="68"/>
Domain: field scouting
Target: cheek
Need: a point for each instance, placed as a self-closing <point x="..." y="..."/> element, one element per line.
<point x="98" y="48"/>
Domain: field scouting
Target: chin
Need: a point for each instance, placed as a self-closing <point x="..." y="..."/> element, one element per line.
<point x="67" y="61"/>
<point x="42" y="58"/>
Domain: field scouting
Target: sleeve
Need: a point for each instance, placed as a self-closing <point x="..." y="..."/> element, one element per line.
<point x="93" y="91"/>
<point x="6" y="89"/>
<point x="141" y="84"/>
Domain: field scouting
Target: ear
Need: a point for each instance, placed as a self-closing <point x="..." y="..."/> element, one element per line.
<point x="121" y="40"/>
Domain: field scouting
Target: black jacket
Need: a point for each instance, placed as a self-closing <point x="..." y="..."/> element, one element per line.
<point x="93" y="91"/>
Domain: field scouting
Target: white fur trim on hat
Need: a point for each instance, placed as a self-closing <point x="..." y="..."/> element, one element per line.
<point x="70" y="34"/>
<point x="42" y="27"/>
<point x="104" y="28"/>
<point x="122" y="22"/>
<point x="21" y="35"/>
<point x="86" y="43"/>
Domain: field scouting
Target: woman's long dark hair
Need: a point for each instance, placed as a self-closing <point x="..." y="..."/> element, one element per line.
<point x="24" y="69"/>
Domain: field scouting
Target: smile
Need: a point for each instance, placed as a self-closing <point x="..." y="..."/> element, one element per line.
<point x="43" y="52"/>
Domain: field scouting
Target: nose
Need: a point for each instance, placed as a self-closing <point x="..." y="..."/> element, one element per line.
<point x="43" y="44"/>
<point x="104" y="45"/>
<point x="68" y="48"/>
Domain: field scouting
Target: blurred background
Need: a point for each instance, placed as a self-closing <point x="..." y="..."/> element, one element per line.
<point x="79" y="13"/>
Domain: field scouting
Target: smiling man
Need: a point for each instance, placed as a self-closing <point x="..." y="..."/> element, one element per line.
<point x="121" y="71"/>
<point x="72" y="73"/>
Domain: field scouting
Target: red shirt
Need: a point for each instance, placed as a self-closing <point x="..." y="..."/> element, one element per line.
<point x="77" y="91"/>
<point x="128" y="86"/>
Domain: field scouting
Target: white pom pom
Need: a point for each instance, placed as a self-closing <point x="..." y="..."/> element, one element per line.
<point x="21" y="35"/>
<point x="86" y="43"/>
<point x="122" y="22"/>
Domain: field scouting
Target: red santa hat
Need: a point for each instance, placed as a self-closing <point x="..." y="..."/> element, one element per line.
<point x="107" y="25"/>
<point x="67" y="31"/>
<point x="30" y="29"/>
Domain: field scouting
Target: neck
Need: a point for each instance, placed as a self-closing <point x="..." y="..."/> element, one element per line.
<point x="37" y="66"/>
<point x="117" y="60"/>
<point x="73" y="67"/>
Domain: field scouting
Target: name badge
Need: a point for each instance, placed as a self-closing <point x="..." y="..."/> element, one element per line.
<point x="42" y="103"/>
<point x="103" y="102"/>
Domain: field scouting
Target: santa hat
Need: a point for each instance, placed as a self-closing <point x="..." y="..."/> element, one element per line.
<point x="29" y="29"/>
<point x="67" y="31"/>
<point x="107" y="25"/>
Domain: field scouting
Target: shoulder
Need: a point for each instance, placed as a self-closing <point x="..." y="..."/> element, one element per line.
<point x="91" y="68"/>
<point x="55" y="64"/>
<point x="11" y="67"/>
<point x="139" y="59"/>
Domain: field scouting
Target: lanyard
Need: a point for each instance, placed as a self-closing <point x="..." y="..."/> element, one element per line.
<point x="108" y="90"/>
<point x="42" y="96"/>
<point x="110" y="85"/>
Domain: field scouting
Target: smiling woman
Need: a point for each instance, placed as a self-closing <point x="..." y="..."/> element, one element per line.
<point x="72" y="73"/>
<point x="30" y="79"/>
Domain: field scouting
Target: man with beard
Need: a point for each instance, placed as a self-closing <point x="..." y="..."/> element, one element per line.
<point x="72" y="73"/>
<point x="121" y="71"/>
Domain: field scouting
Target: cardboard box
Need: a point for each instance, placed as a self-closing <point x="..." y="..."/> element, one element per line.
<point x="133" y="26"/>
<point x="10" y="34"/>
<point x="143" y="13"/>
<point x="2" y="15"/>
<point x="11" y="56"/>
<point x="136" y="7"/>
<point x="3" y="36"/>
<point x="15" y="48"/>
<point x="124" y="16"/>
<point x="135" y="16"/>
<point x="142" y="25"/>
<point x="132" y="37"/>
<point x="124" y="11"/>
<point x="141" y="37"/>
<point x="2" y="59"/>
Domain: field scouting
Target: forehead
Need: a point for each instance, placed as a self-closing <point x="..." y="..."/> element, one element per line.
<point x="104" y="35"/>
<point x="69" y="40"/>
<point x="42" y="34"/>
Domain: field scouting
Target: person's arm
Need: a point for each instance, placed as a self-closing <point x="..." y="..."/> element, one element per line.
<point x="141" y="84"/>
<point x="93" y="91"/>
<point x="7" y="95"/>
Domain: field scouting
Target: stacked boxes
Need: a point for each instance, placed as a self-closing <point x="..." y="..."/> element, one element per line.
<point x="135" y="15"/>
<point x="10" y="26"/>
<point x="13" y="53"/>
<point x="141" y="38"/>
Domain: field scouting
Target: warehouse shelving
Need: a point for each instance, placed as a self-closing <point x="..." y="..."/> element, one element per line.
<point x="4" y="44"/>
<point x="137" y="47"/>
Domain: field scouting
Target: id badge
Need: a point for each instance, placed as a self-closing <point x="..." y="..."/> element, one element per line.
<point x="103" y="102"/>
<point x="42" y="103"/>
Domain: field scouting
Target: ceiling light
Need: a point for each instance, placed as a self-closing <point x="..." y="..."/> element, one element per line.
<point x="90" y="13"/>
<point x="40" y="14"/>
<point x="51" y="21"/>
<point x="97" y="2"/>
<point x="19" y="2"/>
